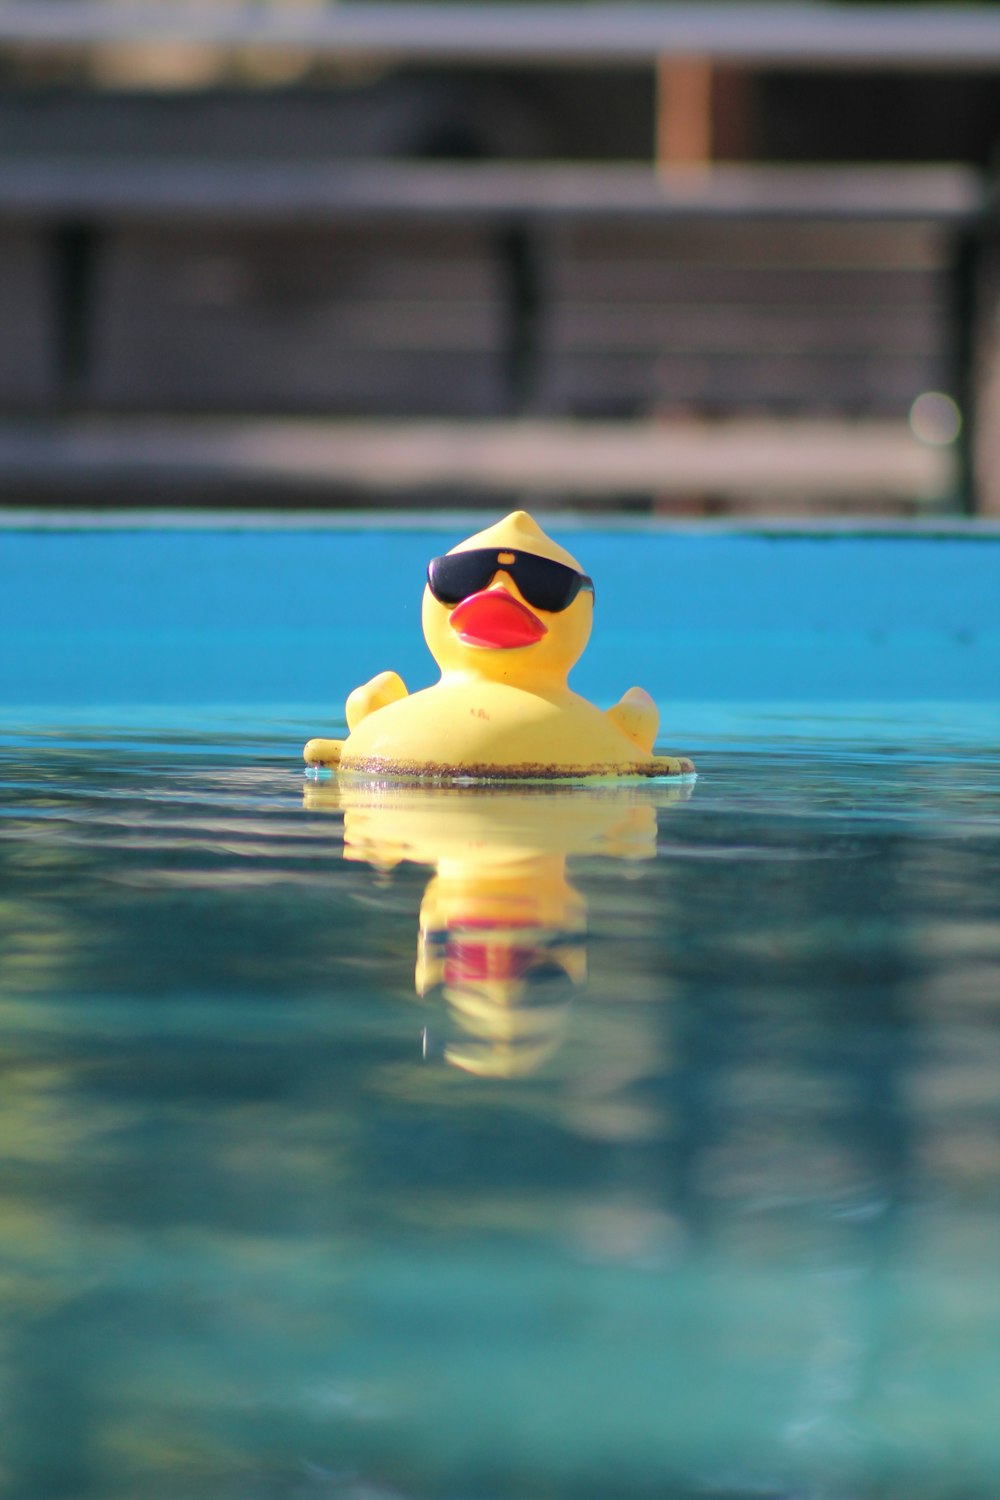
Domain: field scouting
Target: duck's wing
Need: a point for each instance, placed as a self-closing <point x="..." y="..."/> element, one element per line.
<point x="637" y="716"/>
<point x="383" y="689"/>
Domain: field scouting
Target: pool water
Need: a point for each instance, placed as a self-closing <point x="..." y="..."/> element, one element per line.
<point x="679" y="1177"/>
<point x="546" y="1143"/>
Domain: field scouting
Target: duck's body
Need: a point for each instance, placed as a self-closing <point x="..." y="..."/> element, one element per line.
<point x="503" y="708"/>
<point x="486" y="728"/>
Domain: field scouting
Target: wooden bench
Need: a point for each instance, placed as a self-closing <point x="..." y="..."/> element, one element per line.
<point x="748" y="34"/>
<point x="477" y="290"/>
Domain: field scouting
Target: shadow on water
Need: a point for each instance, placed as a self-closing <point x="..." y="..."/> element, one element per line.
<point x="362" y="1143"/>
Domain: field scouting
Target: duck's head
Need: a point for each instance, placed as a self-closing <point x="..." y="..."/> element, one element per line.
<point x="513" y="605"/>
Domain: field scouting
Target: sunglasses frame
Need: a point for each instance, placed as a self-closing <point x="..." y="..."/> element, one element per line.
<point x="525" y="562"/>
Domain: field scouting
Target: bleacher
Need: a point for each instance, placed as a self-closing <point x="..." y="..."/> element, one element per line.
<point x="218" y="256"/>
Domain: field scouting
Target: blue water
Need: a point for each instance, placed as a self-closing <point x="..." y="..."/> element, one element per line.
<point x="552" y="1145"/>
<point x="718" y="1217"/>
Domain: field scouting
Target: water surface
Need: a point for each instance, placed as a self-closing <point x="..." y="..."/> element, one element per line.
<point x="488" y="1146"/>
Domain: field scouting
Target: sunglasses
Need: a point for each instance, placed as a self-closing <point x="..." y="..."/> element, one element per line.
<point x="546" y="585"/>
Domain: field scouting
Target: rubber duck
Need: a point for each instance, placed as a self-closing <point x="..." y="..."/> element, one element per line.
<point x="506" y="614"/>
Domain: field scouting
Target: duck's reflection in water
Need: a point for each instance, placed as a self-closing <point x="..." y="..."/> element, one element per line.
<point x="502" y="931"/>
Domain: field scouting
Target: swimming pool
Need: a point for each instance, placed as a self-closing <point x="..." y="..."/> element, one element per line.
<point x="651" y="1151"/>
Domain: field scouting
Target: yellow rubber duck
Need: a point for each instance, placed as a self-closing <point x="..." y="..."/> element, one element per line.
<point x="506" y="614"/>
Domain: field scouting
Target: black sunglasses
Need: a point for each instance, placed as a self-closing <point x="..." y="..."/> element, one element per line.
<point x="545" y="584"/>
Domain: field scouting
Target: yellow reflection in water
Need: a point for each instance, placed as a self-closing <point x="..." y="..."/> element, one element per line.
<point x="502" y="931"/>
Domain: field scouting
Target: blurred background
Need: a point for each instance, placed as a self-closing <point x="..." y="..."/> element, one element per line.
<point x="286" y="1212"/>
<point x="685" y="259"/>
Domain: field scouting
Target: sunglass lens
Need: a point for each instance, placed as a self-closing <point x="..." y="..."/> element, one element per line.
<point x="459" y="574"/>
<point x="545" y="584"/>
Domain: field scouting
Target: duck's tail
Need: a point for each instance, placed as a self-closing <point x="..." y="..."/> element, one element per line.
<point x="672" y="765"/>
<point x="323" y="752"/>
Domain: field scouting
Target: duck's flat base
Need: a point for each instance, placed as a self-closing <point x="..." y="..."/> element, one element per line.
<point x="378" y="768"/>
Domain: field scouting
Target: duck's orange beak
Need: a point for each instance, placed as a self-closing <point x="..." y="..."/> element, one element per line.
<point x="495" y="619"/>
